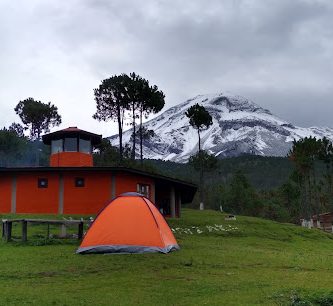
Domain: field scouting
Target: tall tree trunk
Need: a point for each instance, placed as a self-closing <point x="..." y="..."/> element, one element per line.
<point x="316" y="194"/>
<point x="201" y="179"/>
<point x="308" y="197"/>
<point x="141" y="138"/>
<point x="120" y="133"/>
<point x="199" y="141"/>
<point x="330" y="189"/>
<point x="201" y="188"/>
<point x="134" y="131"/>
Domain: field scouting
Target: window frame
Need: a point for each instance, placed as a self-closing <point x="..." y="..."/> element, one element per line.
<point x="79" y="179"/>
<point x="43" y="182"/>
<point x="76" y="144"/>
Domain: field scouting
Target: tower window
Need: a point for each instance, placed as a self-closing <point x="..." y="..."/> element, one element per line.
<point x="43" y="183"/>
<point x="79" y="182"/>
<point x="70" y="144"/>
<point x="84" y="146"/>
<point x="56" y="146"/>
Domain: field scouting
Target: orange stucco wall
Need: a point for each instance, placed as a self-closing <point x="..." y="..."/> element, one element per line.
<point x="5" y="194"/>
<point x="71" y="159"/>
<point x="126" y="182"/>
<point x="89" y="199"/>
<point x="31" y="199"/>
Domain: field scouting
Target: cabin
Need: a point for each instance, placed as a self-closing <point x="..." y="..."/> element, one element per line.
<point x="71" y="184"/>
<point x="324" y="221"/>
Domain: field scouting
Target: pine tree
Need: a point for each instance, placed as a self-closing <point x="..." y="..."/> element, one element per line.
<point x="37" y="116"/>
<point x="200" y="119"/>
<point x="112" y="100"/>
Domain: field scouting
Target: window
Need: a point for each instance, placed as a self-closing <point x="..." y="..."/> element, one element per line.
<point x="84" y="146"/>
<point x="79" y="182"/>
<point x="70" y="144"/>
<point x="56" y="146"/>
<point x="43" y="183"/>
<point x="143" y="189"/>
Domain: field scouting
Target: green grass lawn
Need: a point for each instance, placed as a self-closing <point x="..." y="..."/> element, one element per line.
<point x="249" y="261"/>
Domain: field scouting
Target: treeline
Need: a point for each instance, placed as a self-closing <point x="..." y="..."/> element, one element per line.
<point x="17" y="149"/>
<point x="126" y="99"/>
<point x="313" y="174"/>
<point x="249" y="185"/>
<point x="307" y="189"/>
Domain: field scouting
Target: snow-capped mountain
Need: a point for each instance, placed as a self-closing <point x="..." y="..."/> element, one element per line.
<point x="239" y="126"/>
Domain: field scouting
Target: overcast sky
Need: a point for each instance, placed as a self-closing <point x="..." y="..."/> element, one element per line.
<point x="278" y="53"/>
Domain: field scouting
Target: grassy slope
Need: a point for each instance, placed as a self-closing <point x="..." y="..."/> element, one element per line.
<point x="260" y="263"/>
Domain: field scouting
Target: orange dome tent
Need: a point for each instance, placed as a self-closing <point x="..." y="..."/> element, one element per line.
<point x="129" y="224"/>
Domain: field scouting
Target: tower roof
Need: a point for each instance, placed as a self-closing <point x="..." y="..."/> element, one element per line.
<point x="72" y="131"/>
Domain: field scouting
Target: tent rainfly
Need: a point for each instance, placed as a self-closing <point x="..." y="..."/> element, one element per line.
<point x="129" y="224"/>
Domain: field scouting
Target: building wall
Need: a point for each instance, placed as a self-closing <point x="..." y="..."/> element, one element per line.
<point x="71" y="159"/>
<point x="62" y="196"/>
<point x="89" y="199"/>
<point x="5" y="194"/>
<point x="126" y="182"/>
<point x="31" y="199"/>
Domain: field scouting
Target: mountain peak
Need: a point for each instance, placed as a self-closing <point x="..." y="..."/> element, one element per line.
<point x="240" y="126"/>
<point x="224" y="101"/>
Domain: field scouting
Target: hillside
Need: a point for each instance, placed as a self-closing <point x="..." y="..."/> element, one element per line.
<point x="249" y="261"/>
<point x="240" y="126"/>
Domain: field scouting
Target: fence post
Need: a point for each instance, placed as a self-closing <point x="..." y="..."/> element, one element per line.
<point x="63" y="231"/>
<point x="24" y="230"/>
<point x="8" y="235"/>
<point x="3" y="228"/>
<point x="80" y="231"/>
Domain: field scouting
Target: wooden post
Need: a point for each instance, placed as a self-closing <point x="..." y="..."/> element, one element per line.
<point x="80" y="231"/>
<point x="63" y="231"/>
<point x="24" y="230"/>
<point x="153" y="193"/>
<point x="3" y="228"/>
<point x="113" y="186"/>
<point x="8" y="231"/>
<point x="48" y="231"/>
<point x="172" y="202"/>
<point x="179" y="204"/>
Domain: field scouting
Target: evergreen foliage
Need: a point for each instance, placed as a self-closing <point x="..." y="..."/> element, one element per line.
<point x="203" y="160"/>
<point x="200" y="119"/>
<point x="37" y="117"/>
<point x="144" y="100"/>
<point x="108" y="155"/>
<point x="313" y="160"/>
<point x="111" y="102"/>
<point x="132" y="95"/>
<point x="12" y="147"/>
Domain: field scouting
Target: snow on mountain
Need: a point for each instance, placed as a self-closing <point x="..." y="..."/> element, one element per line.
<point x="239" y="127"/>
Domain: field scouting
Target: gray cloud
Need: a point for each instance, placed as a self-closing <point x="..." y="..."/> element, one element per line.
<point x="276" y="52"/>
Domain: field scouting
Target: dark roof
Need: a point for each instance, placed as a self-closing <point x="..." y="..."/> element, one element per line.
<point x="93" y="169"/>
<point x="72" y="131"/>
